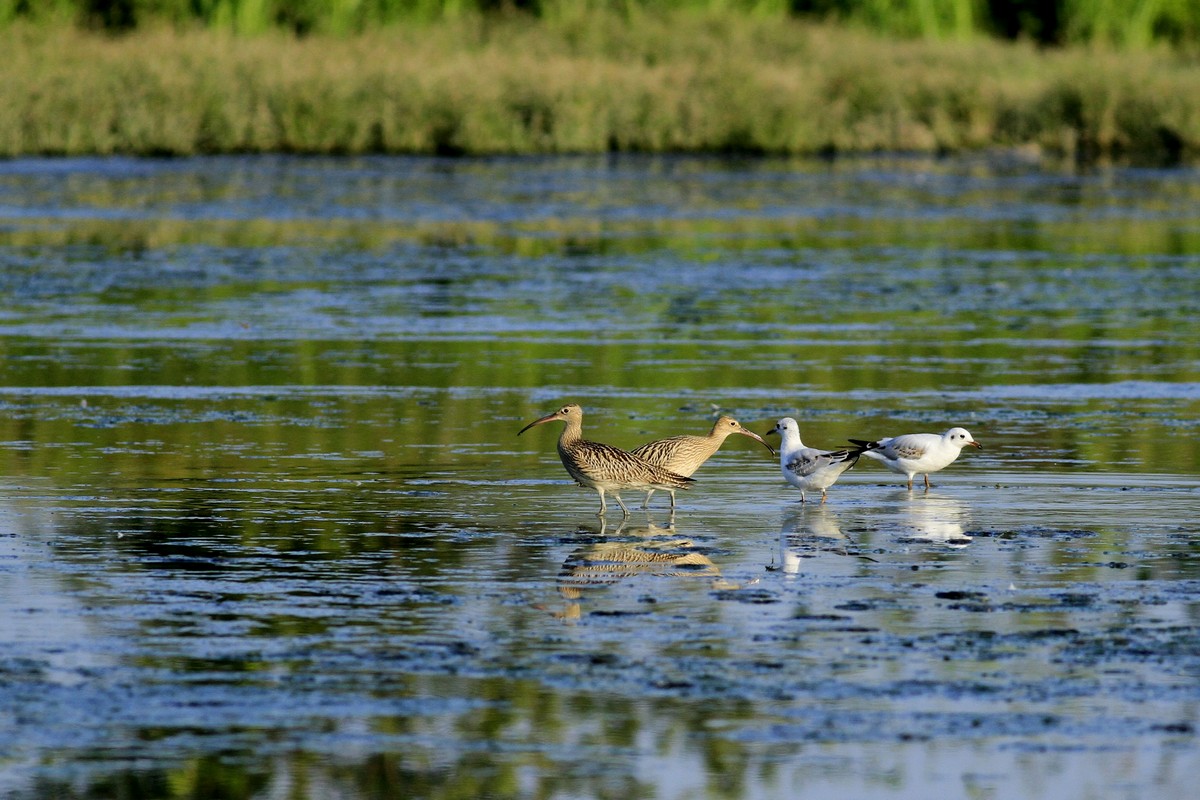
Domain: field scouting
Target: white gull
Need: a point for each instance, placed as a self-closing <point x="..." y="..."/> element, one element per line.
<point x="913" y="454"/>
<point x="808" y="468"/>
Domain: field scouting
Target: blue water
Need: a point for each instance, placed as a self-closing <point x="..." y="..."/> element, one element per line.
<point x="267" y="528"/>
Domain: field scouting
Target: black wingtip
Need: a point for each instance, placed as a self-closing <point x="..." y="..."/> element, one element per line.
<point x="847" y="454"/>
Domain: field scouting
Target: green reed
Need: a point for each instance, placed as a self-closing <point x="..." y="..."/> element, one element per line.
<point x="1108" y="22"/>
<point x="1134" y="25"/>
<point x="585" y="83"/>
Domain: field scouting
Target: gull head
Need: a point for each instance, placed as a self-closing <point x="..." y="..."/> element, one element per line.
<point x="784" y="426"/>
<point x="961" y="437"/>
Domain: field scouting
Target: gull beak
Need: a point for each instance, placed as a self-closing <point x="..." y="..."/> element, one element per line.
<point x="975" y="444"/>
<point x="547" y="418"/>
<point x="757" y="438"/>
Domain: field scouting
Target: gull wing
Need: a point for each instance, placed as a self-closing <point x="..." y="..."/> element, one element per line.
<point x="910" y="445"/>
<point x="810" y="460"/>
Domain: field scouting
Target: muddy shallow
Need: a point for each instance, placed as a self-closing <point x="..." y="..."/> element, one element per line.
<point x="268" y="529"/>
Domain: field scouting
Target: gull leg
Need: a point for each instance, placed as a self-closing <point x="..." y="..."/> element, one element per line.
<point x="927" y="481"/>
<point x="910" y="477"/>
<point x="824" y="496"/>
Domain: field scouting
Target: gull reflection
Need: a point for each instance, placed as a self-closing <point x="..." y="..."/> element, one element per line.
<point x="629" y="552"/>
<point x="809" y="529"/>
<point x="936" y="518"/>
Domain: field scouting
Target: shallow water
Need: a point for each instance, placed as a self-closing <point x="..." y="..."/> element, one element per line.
<point x="268" y="529"/>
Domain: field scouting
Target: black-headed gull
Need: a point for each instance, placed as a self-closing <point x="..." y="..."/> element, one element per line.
<point x="918" y="453"/>
<point x="808" y="468"/>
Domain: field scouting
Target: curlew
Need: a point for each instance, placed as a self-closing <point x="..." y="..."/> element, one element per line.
<point x="808" y="468"/>
<point x="919" y="453"/>
<point x="683" y="455"/>
<point x="603" y="467"/>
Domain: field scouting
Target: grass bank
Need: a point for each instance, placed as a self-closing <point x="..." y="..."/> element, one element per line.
<point x="672" y="82"/>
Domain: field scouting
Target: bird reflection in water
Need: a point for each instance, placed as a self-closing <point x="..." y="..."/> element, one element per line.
<point x="935" y="518"/>
<point x="640" y="550"/>
<point x="809" y="530"/>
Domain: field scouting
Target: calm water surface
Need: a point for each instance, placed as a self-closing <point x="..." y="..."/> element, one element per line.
<point x="266" y="529"/>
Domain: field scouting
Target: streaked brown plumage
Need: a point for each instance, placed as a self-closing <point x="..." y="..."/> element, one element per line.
<point x="603" y="467"/>
<point x="648" y="552"/>
<point x="608" y="562"/>
<point x="684" y="454"/>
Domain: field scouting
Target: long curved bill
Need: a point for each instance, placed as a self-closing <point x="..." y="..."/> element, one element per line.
<point x="547" y="418"/>
<point x="758" y="438"/>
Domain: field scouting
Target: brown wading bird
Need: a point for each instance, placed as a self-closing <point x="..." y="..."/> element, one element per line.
<point x="603" y="467"/>
<point x="683" y="455"/>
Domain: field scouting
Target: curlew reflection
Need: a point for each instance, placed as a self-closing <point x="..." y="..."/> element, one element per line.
<point x="642" y="550"/>
<point x="631" y="551"/>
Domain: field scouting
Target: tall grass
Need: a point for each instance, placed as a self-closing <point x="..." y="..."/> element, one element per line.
<point x="933" y="19"/>
<point x="675" y="82"/>
<point x="1131" y="24"/>
<point x="1124" y="23"/>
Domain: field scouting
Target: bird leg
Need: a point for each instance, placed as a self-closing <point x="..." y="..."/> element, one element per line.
<point x="927" y="481"/>
<point x="823" y="497"/>
<point x="603" y="507"/>
<point x="649" y="492"/>
<point x="672" y="502"/>
<point x="622" y="505"/>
